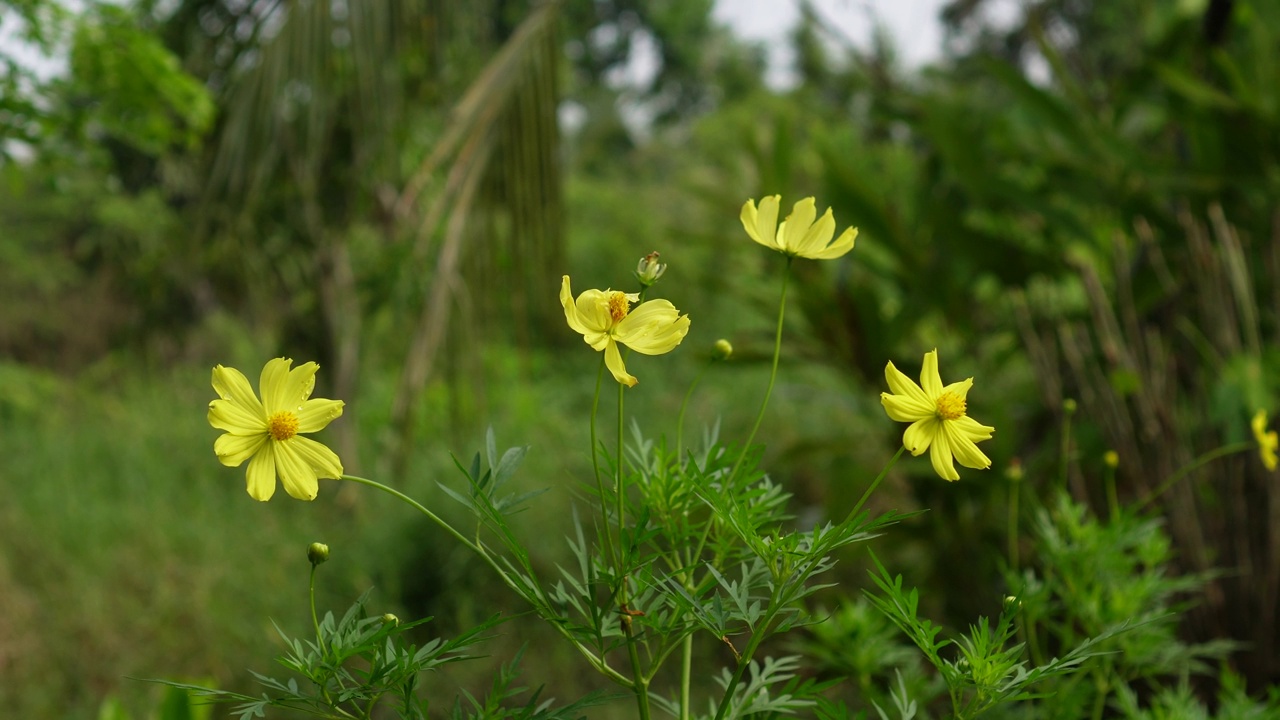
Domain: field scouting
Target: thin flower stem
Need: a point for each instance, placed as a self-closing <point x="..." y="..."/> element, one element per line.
<point x="618" y="490"/>
<point x="773" y="374"/>
<point x="1015" y="492"/>
<point x="640" y="684"/>
<point x="595" y="467"/>
<point x="686" y="674"/>
<point x="315" y="622"/>
<point x="875" y="484"/>
<point x="1113" y="500"/>
<point x="1208" y="457"/>
<point x="596" y="662"/>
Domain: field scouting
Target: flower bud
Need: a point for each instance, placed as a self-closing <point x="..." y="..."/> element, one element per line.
<point x="1111" y="458"/>
<point x="722" y="350"/>
<point x="390" y="619"/>
<point x="1013" y="471"/>
<point x="317" y="553"/>
<point x="1011" y="602"/>
<point x="1069" y="406"/>
<point x="648" y="270"/>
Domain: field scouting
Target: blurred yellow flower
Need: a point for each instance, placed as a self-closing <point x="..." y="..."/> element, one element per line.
<point x="1267" y="440"/>
<point x="798" y="235"/>
<point x="937" y="417"/>
<point x="268" y="430"/>
<point x="605" y="318"/>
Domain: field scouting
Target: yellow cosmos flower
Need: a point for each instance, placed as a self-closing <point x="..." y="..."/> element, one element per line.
<point x="268" y="430"/>
<point x="937" y="418"/>
<point x="798" y="235"/>
<point x="605" y="318"/>
<point x="1267" y="441"/>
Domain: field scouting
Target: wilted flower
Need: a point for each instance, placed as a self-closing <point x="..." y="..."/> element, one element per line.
<point x="798" y="235"/>
<point x="268" y="430"/>
<point x="605" y="318"/>
<point x="937" y="417"/>
<point x="648" y="270"/>
<point x="1267" y="440"/>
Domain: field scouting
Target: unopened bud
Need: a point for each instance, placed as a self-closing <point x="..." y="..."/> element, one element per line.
<point x="390" y="619"/>
<point x="1011" y="602"/>
<point x="1111" y="458"/>
<point x="1069" y="406"/>
<point x="722" y="350"/>
<point x="317" y="553"/>
<point x="1013" y="471"/>
<point x="648" y="270"/>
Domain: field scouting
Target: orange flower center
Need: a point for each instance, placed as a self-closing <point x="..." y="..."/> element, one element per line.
<point x="619" y="305"/>
<point x="282" y="425"/>
<point x="950" y="406"/>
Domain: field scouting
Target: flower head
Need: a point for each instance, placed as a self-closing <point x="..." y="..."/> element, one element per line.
<point x="266" y="432"/>
<point x="798" y="235"/>
<point x="606" y="318"/>
<point x="648" y="270"/>
<point x="1267" y="440"/>
<point x="937" y="417"/>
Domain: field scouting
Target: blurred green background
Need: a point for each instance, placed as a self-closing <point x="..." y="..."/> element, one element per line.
<point x="1076" y="200"/>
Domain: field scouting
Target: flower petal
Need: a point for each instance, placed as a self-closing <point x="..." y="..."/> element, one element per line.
<point x="297" y="476"/>
<point x="316" y="413"/>
<point x="971" y="428"/>
<point x="940" y="455"/>
<point x="653" y="328"/>
<point x="905" y="409"/>
<point x="322" y="460"/>
<point x="232" y="386"/>
<point x="261" y="476"/>
<point x="930" y="381"/>
<point x="817" y="237"/>
<point x="842" y="245"/>
<point x="233" y="417"/>
<point x="920" y="435"/>
<point x="272" y="384"/>
<point x="298" y="386"/>
<point x="233" y="450"/>
<point x="959" y="389"/>
<point x="571" y="308"/>
<point x="964" y="449"/>
<point x="797" y="225"/>
<point x="613" y="361"/>
<point x="761" y="225"/>
<point x="904" y="386"/>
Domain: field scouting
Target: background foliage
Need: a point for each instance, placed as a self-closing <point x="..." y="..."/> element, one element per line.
<point x="1078" y="206"/>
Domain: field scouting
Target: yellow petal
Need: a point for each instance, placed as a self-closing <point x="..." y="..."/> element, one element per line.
<point x="232" y="450"/>
<point x="316" y="413"/>
<point x="920" y="435"/>
<point x="940" y="455"/>
<point x="613" y="361"/>
<point x="297" y="476"/>
<point x="232" y="386"/>
<point x="322" y="460"/>
<point x="905" y="409"/>
<point x="234" y="418"/>
<point x="842" y="245"/>
<point x="570" y="307"/>
<point x="653" y="328"/>
<point x="930" y="381"/>
<point x="817" y="237"/>
<point x="261" y="476"/>
<point x="593" y="311"/>
<point x="905" y="387"/>
<point x="797" y="225"/>
<point x="964" y="449"/>
<point x="299" y="384"/>
<point x="959" y="389"/>
<point x="272" y="384"/>
<point x="971" y="428"/>
<point x="761" y="225"/>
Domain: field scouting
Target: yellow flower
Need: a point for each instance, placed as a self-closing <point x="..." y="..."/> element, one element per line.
<point x="798" y="235"/>
<point x="937" y="418"/>
<point x="1267" y="441"/>
<point x="267" y="431"/>
<point x="605" y="318"/>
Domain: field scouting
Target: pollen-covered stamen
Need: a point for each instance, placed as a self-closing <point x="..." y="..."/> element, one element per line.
<point x="282" y="425"/>
<point x="619" y="305"/>
<point x="950" y="406"/>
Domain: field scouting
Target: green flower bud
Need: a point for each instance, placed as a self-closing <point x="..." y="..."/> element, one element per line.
<point x="1013" y="471"/>
<point x="1011" y="602"/>
<point x="1111" y="458"/>
<point x="1069" y="406"/>
<point x="390" y="619"/>
<point x="648" y="270"/>
<point x="317" y="553"/>
<point x="722" y="350"/>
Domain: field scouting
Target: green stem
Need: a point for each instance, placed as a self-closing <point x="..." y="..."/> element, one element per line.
<point x="773" y="375"/>
<point x="686" y="673"/>
<point x="620" y="495"/>
<point x="314" y="621"/>
<point x="595" y="467"/>
<point x="1113" y="500"/>
<point x="1065" y="469"/>
<point x="685" y="406"/>
<point x="641" y="683"/>
<point x="1015" y="492"/>
<point x="745" y="660"/>
<point x="874" y="484"/>
<point x="1208" y="457"/>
